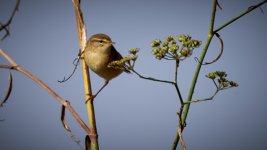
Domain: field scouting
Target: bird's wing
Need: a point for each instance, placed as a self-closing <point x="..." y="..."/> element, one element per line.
<point x="117" y="56"/>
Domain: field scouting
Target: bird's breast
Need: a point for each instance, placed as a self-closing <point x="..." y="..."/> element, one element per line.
<point x="96" y="61"/>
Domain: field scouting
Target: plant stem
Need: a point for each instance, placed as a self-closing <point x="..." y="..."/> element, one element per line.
<point x="150" y="78"/>
<point x="176" y="84"/>
<point x="192" y="88"/>
<point x="205" y="99"/>
<point x="239" y="16"/>
<point x="62" y="101"/>
<point x="87" y="84"/>
<point x="202" y="56"/>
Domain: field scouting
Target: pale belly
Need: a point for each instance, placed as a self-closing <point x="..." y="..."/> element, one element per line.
<point x="98" y="63"/>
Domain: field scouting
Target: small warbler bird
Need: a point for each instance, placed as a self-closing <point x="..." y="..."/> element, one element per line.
<point x="98" y="53"/>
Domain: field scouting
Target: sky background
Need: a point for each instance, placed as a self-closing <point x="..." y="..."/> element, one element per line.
<point x="133" y="113"/>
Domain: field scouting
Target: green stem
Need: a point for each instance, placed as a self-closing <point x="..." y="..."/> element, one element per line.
<point x="210" y="36"/>
<point x="192" y="88"/>
<point x="176" y="84"/>
<point x="191" y="91"/>
<point x="150" y="78"/>
<point x="205" y="99"/>
<point x="239" y="16"/>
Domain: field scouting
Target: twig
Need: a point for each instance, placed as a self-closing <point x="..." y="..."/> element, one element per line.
<point x="6" y="25"/>
<point x="75" y="63"/>
<point x="239" y="16"/>
<point x="63" y="102"/>
<point x="150" y="78"/>
<point x="181" y="138"/>
<point x="205" y="99"/>
<point x="220" y="54"/>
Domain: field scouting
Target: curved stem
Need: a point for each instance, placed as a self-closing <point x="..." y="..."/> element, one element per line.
<point x="16" y="67"/>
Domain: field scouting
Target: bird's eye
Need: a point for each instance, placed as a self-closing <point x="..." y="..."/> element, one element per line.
<point x="101" y="41"/>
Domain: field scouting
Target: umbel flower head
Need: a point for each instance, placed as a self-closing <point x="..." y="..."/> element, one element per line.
<point x="170" y="50"/>
<point x="126" y="62"/>
<point x="222" y="82"/>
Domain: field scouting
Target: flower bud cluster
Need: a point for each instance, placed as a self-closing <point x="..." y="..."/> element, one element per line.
<point x="126" y="62"/>
<point x="169" y="49"/>
<point x="221" y="79"/>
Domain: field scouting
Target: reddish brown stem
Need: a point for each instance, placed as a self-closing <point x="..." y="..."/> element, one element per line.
<point x="62" y="101"/>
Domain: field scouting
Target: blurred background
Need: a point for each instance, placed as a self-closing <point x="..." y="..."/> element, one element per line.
<point x="133" y="113"/>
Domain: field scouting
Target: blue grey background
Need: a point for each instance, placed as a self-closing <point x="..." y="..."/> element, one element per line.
<point x="133" y="113"/>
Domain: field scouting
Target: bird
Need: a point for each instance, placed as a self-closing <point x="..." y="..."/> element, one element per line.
<point x="98" y="53"/>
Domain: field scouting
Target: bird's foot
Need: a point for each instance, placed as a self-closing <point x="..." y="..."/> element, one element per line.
<point x="90" y="98"/>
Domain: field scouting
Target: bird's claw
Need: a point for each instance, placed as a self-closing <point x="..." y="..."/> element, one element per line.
<point x="90" y="98"/>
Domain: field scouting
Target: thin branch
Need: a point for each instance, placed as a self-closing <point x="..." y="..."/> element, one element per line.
<point x="63" y="102"/>
<point x="6" y="25"/>
<point x="220" y="54"/>
<point x="181" y="138"/>
<point x="239" y="16"/>
<point x="176" y="83"/>
<point x="150" y="78"/>
<point x="205" y="99"/>
<point x="75" y="63"/>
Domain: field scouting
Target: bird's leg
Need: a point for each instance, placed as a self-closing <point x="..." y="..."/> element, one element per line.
<point x="93" y="96"/>
<point x="103" y="86"/>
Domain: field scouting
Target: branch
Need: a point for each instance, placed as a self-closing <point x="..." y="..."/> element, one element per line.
<point x="205" y="99"/>
<point x="211" y="33"/>
<point x="6" y="25"/>
<point x="152" y="79"/>
<point x="197" y="70"/>
<point x="239" y="16"/>
<point x="62" y="101"/>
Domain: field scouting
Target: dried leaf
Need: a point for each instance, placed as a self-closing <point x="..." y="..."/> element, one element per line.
<point x="64" y="123"/>
<point x="8" y="90"/>
<point x="66" y="126"/>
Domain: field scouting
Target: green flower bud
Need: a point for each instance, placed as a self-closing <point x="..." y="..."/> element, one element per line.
<point x="155" y="43"/>
<point x="165" y="43"/>
<point x="170" y="38"/>
<point x="221" y="73"/>
<point x="183" y="52"/>
<point x="211" y="75"/>
<point x="186" y="52"/>
<point x="133" y="51"/>
<point x="233" y="84"/>
<point x="174" y="48"/>
<point x="225" y="84"/>
<point x="173" y="42"/>
<point x="156" y="50"/>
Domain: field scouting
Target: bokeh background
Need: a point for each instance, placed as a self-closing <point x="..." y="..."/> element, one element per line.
<point x="133" y="113"/>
